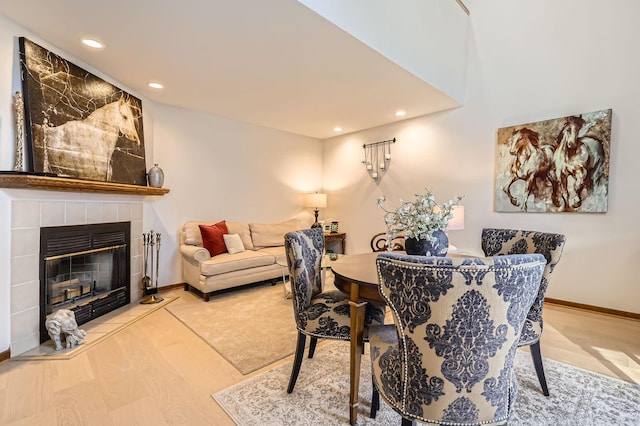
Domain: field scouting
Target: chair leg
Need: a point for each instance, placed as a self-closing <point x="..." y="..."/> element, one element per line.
<point x="297" y="361"/>
<point x="375" y="400"/>
<point x="537" y="363"/>
<point x="312" y="346"/>
<point x="407" y="422"/>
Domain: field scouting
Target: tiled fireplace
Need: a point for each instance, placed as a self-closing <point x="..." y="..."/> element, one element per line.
<point x="27" y="217"/>
<point x="84" y="268"/>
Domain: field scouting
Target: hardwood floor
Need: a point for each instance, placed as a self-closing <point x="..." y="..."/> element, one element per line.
<point x="157" y="372"/>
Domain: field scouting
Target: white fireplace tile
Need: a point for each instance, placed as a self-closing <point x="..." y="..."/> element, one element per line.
<point x="24" y="269"/>
<point x="25" y="214"/>
<point x="25" y="241"/>
<point x="136" y="264"/>
<point x="136" y="239"/>
<point x="124" y="212"/>
<point x="136" y="292"/>
<point x="25" y="323"/>
<point x="94" y="213"/>
<point x="110" y="212"/>
<point x="25" y="343"/>
<point x="136" y="284"/>
<point x="25" y="296"/>
<point x="76" y="213"/>
<point x="136" y="212"/>
<point x="52" y="213"/>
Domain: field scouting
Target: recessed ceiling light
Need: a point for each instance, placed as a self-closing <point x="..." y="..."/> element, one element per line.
<point x="156" y="85"/>
<point x="337" y="129"/>
<point x="400" y="113"/>
<point x="92" y="43"/>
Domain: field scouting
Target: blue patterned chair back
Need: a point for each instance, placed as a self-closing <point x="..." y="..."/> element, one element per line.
<point x="497" y="242"/>
<point x="304" y="250"/>
<point x="457" y="322"/>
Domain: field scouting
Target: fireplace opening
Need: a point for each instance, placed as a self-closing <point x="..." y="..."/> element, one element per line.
<point x="84" y="268"/>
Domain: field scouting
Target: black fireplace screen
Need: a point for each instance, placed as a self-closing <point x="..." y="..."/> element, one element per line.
<point x="84" y="268"/>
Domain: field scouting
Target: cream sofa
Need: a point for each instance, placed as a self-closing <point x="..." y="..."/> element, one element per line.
<point x="263" y="257"/>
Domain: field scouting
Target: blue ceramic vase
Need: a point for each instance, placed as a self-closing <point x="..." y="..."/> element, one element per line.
<point x="424" y="247"/>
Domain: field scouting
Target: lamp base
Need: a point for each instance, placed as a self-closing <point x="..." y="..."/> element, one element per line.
<point x="316" y="224"/>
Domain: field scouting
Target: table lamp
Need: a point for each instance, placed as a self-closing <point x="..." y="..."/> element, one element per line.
<point x="455" y="224"/>
<point x="317" y="201"/>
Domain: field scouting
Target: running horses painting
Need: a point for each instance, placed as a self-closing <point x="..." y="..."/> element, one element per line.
<point x="78" y="125"/>
<point x="559" y="165"/>
<point x="531" y="163"/>
<point x="578" y="165"/>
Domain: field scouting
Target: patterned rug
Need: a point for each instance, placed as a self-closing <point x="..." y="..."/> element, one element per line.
<point x="251" y="327"/>
<point x="578" y="397"/>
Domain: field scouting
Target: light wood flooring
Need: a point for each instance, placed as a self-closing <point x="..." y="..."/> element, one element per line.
<point x="157" y="372"/>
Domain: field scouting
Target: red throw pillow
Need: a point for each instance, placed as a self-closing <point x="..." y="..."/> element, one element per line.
<point x="212" y="238"/>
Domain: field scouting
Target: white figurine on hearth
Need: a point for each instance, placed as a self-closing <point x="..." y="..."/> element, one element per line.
<point x="63" y="321"/>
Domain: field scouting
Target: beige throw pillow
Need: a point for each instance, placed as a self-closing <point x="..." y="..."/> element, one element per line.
<point x="272" y="234"/>
<point x="233" y="243"/>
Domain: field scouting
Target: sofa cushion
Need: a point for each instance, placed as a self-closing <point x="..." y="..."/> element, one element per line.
<point x="242" y="229"/>
<point x="233" y="243"/>
<point x="234" y="262"/>
<point x="191" y="233"/>
<point x="278" y="252"/>
<point x="272" y="234"/>
<point x="212" y="237"/>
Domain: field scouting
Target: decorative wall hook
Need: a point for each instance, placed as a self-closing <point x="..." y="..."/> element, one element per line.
<point x="377" y="156"/>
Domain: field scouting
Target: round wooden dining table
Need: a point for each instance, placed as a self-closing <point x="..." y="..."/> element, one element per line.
<point x="357" y="276"/>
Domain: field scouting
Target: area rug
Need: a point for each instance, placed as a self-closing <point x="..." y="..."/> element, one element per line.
<point x="578" y="397"/>
<point x="250" y="327"/>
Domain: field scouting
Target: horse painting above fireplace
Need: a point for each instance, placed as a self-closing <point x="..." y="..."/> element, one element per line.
<point x="78" y="125"/>
<point x="559" y="165"/>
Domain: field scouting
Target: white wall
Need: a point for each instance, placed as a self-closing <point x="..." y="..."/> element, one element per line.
<point x="528" y="61"/>
<point x="221" y="169"/>
<point x="426" y="37"/>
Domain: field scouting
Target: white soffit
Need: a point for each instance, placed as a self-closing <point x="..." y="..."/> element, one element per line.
<point x="272" y="63"/>
<point x="427" y="38"/>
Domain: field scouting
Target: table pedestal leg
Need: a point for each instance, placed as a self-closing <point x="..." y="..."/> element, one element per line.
<point x="357" y="326"/>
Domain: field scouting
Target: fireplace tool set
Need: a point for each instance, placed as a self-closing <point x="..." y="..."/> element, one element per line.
<point x="151" y="242"/>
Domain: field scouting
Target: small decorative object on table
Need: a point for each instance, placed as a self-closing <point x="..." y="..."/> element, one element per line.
<point x="421" y="222"/>
<point x="334" y="227"/>
<point x="156" y="176"/>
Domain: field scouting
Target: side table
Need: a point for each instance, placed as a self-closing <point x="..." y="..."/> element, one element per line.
<point x="331" y="237"/>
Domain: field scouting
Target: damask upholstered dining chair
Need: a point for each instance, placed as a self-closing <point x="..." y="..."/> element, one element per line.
<point x="448" y="359"/>
<point x="321" y="315"/>
<point x="497" y="242"/>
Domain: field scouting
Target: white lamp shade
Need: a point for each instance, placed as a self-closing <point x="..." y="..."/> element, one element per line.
<point x="315" y="200"/>
<point x="457" y="221"/>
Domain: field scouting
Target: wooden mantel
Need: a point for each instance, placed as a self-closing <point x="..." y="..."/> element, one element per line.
<point x="47" y="183"/>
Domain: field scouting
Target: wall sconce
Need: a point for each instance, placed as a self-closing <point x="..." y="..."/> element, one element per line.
<point x="377" y="156"/>
<point x="317" y="201"/>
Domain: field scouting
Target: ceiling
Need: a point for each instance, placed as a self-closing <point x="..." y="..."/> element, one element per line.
<point x="272" y="63"/>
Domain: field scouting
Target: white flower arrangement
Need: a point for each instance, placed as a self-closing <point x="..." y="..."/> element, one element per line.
<point x="419" y="218"/>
